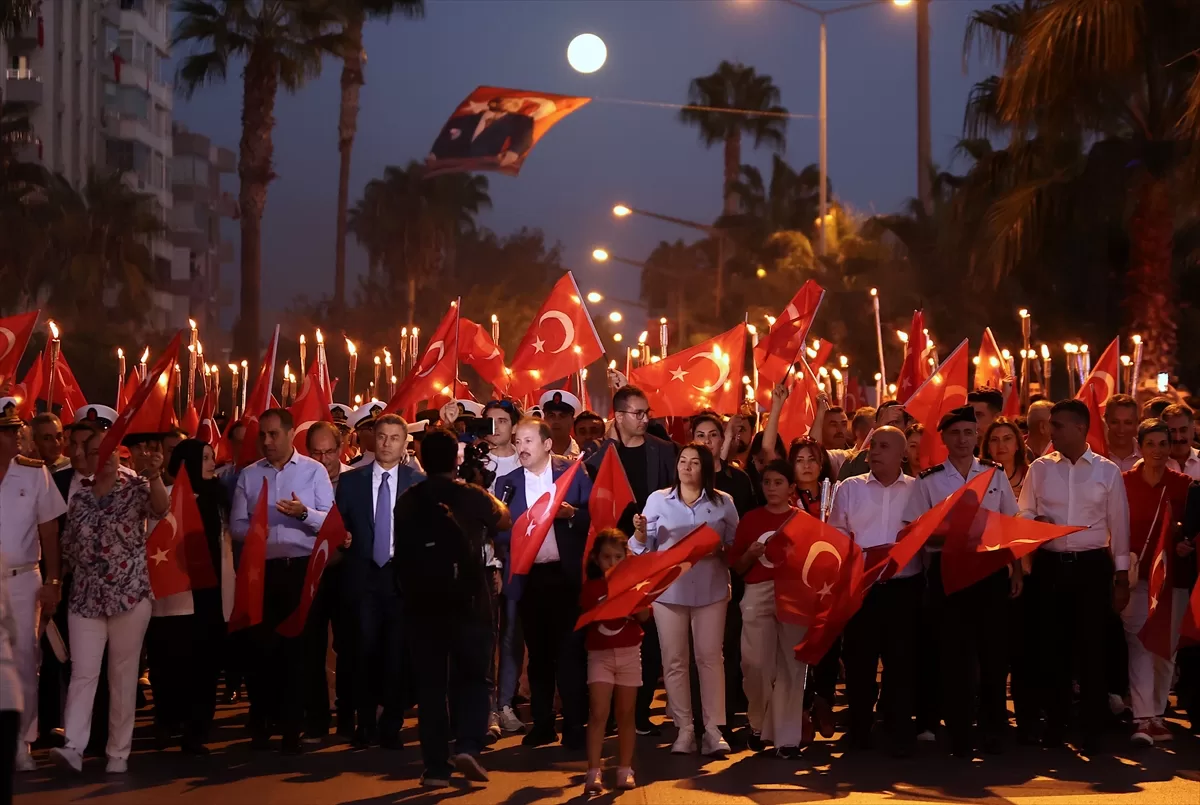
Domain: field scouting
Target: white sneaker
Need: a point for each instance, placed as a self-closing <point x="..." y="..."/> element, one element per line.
<point x="25" y="761"/>
<point x="67" y="758"/>
<point x="1117" y="704"/>
<point x="927" y="736"/>
<point x="509" y="721"/>
<point x="1141" y="733"/>
<point x="715" y="744"/>
<point x="117" y="765"/>
<point x="685" y="744"/>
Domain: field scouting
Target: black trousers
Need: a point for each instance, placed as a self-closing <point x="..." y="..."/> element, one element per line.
<point x="823" y="677"/>
<point x="1116" y="652"/>
<point x="380" y="673"/>
<point x="450" y="658"/>
<point x="651" y="673"/>
<point x="1187" y="689"/>
<point x="1024" y="655"/>
<point x="184" y="652"/>
<point x="276" y="669"/>
<point x="1076" y="593"/>
<point x="735" y="692"/>
<point x="975" y="657"/>
<point x="328" y="614"/>
<point x="549" y="607"/>
<point x="10" y="725"/>
<point x="884" y="629"/>
<point x="929" y="648"/>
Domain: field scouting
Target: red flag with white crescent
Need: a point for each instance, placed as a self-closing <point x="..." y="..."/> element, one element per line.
<point x="1097" y="388"/>
<point x="945" y="390"/>
<point x="477" y="350"/>
<point x="177" y="555"/>
<point x="159" y="374"/>
<point x="779" y="348"/>
<point x="531" y="528"/>
<point x="560" y="341"/>
<point x="207" y="431"/>
<point x="1155" y="634"/>
<point x="15" y="332"/>
<point x="799" y="410"/>
<point x="915" y="369"/>
<point x="67" y="392"/>
<point x="611" y="496"/>
<point x="259" y="402"/>
<point x="330" y="537"/>
<point x="434" y="375"/>
<point x="311" y="406"/>
<point x="708" y="375"/>
<point x="809" y="558"/>
<point x="251" y="569"/>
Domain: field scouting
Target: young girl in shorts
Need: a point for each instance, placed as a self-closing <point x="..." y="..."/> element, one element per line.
<point x="614" y="664"/>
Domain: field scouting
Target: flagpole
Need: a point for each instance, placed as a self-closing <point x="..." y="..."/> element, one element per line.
<point x="55" y="351"/>
<point x="120" y="374"/>
<point x="457" y="334"/>
<point x="879" y="342"/>
<point x="587" y="313"/>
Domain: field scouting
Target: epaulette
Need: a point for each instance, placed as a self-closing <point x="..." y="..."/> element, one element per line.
<point x="987" y="463"/>
<point x="25" y="461"/>
<point x="932" y="470"/>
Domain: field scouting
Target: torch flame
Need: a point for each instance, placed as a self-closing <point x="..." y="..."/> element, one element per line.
<point x="145" y="355"/>
<point x="120" y="352"/>
<point x="320" y="338"/>
<point x="53" y="329"/>
<point x="350" y="347"/>
<point x="192" y="324"/>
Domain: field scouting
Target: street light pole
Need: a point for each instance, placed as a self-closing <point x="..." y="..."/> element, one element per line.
<point x="823" y="157"/>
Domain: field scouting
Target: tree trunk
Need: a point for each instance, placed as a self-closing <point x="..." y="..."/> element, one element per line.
<point x="412" y="300"/>
<point x="1150" y="295"/>
<point x="254" y="172"/>
<point x="352" y="79"/>
<point x="733" y="166"/>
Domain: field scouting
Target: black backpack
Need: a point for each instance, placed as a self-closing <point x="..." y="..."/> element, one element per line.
<point x="435" y="564"/>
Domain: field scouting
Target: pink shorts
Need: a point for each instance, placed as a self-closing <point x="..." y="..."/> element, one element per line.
<point x="616" y="666"/>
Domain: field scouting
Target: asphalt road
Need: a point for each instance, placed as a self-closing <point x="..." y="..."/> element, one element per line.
<point x="233" y="775"/>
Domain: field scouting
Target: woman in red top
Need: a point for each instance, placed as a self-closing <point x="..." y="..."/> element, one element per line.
<point x="810" y="465"/>
<point x="614" y="664"/>
<point x="771" y="676"/>
<point x="1150" y="487"/>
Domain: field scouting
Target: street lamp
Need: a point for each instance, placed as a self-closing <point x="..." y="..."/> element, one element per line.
<point x="602" y="256"/>
<point x="599" y="255"/>
<point x="615" y="317"/>
<point x="595" y="298"/>
<point x="621" y="211"/>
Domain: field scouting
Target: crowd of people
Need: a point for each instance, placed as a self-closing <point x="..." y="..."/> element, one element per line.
<point x="419" y="607"/>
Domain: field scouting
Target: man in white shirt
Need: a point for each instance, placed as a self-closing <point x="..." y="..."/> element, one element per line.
<point x="975" y="619"/>
<point x="870" y="510"/>
<point x="1121" y="425"/>
<point x="1184" y="457"/>
<point x="1074" y="486"/>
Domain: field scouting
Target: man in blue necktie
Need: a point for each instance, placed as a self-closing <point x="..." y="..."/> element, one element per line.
<point x="366" y="497"/>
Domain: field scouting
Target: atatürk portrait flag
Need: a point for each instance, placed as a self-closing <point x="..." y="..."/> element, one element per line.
<point x="494" y="128"/>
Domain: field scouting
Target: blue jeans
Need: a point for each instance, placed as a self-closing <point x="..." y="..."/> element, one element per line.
<point x="512" y="652"/>
<point x="450" y="656"/>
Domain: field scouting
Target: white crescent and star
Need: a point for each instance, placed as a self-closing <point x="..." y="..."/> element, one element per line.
<point x="722" y="372"/>
<point x="763" y="538"/>
<point x="320" y="558"/>
<point x="607" y="631"/>
<point x="159" y="557"/>
<point x="816" y="550"/>
<point x="440" y="346"/>
<point x="679" y="374"/>
<point x="568" y="330"/>
<point x="1109" y="383"/>
<point x="10" y="341"/>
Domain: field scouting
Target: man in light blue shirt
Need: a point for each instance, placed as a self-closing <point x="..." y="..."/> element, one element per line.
<point x="279" y="667"/>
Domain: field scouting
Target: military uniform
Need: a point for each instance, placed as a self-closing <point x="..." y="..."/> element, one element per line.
<point x="363" y="422"/>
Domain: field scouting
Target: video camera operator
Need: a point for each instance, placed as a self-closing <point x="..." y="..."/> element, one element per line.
<point x="442" y="526"/>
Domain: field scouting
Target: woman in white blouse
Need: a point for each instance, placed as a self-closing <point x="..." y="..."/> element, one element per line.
<point x="697" y="600"/>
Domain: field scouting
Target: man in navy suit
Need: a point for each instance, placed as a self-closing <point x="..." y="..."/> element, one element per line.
<point x="366" y="497"/>
<point x="548" y="597"/>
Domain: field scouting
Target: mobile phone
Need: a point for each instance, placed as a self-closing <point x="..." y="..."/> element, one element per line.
<point x="481" y="426"/>
<point x="1163" y="379"/>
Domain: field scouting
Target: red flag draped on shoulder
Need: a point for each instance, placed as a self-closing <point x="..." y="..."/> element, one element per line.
<point x="531" y="528"/>
<point x="435" y="374"/>
<point x="1097" y="388"/>
<point x="561" y="340"/>
<point x="707" y="375"/>
<point x="942" y="392"/>
<point x="1155" y="634"/>
<point x="777" y="350"/>
<point x="15" y="332"/>
<point x="331" y="536"/>
<point x="177" y="555"/>
<point x="611" y="496"/>
<point x="311" y="406"/>
<point x="258" y="403"/>
<point x="157" y="375"/>
<point x="915" y="369"/>
<point x="252" y="567"/>
<point x="477" y="350"/>
<point x="636" y="582"/>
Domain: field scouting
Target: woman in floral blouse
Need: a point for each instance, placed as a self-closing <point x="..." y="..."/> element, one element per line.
<point x="105" y="546"/>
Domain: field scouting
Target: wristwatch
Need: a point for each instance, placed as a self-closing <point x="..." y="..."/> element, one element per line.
<point x="304" y="515"/>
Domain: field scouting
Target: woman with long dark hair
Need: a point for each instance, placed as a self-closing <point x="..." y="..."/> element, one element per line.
<point x="810" y="465"/>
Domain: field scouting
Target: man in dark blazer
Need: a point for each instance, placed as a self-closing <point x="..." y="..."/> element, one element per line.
<point x="548" y="597"/>
<point x="366" y="498"/>
<point x="649" y="464"/>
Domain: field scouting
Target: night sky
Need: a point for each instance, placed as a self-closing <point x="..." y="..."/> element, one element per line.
<point x="418" y="71"/>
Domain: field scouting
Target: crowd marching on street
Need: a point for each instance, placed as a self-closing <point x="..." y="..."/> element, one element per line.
<point x="937" y="553"/>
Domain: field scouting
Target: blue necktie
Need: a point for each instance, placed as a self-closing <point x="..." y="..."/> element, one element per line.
<point x="383" y="522"/>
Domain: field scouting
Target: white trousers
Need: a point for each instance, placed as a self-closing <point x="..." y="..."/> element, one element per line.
<point x="707" y="628"/>
<point x="22" y="594"/>
<point x="1149" y="674"/>
<point x="123" y="634"/>
<point x="771" y="675"/>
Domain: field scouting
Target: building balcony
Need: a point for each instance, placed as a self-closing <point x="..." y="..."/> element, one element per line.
<point x="24" y="37"/>
<point x="24" y="87"/>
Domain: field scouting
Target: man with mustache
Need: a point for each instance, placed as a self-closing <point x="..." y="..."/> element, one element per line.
<point x="1184" y="457"/>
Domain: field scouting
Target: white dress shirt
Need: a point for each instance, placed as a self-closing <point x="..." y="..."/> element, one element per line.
<point x="1088" y="493"/>
<point x="535" y="487"/>
<point x="1190" y="468"/>
<point x="872" y="514"/>
<point x="934" y="487"/>
<point x="668" y="520"/>
<point x="1126" y="464"/>
<point x="377" y="473"/>
<point x="28" y="498"/>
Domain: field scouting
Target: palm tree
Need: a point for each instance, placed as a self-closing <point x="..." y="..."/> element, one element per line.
<point x="354" y="15"/>
<point x="282" y="43"/>
<point x="1113" y="73"/>
<point x="734" y="87"/>
<point x="15" y="12"/>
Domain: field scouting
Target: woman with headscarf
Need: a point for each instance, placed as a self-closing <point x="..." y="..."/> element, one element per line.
<point x="187" y="632"/>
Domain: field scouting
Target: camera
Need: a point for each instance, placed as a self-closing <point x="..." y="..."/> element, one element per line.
<point x="474" y="469"/>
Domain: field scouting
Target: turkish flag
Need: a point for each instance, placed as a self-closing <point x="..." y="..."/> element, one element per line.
<point x="708" y="375"/>
<point x="846" y="594"/>
<point x="531" y="528"/>
<point x="435" y="374"/>
<point x="611" y="496"/>
<point x="1097" y="436"/>
<point x="942" y="392"/>
<point x="815" y="354"/>
<point x="67" y="392"/>
<point x="635" y="582"/>
<point x="30" y="389"/>
<point x="915" y="370"/>
<point x="159" y="373"/>
<point x="799" y="410"/>
<point x="1156" y="632"/>
<point x="258" y="403"/>
<point x="331" y="536"/>
<point x="157" y="411"/>
<point x="311" y="406"/>
<point x="808" y="556"/>
<point x="251" y="569"/>
<point x="1097" y="388"/>
<point x="992" y="370"/>
<point x="14" y="336"/>
<point x="477" y="350"/>
<point x="207" y="430"/>
<point x="979" y="541"/>
<point x="177" y="555"/>
<point x="191" y="420"/>
<point x="560" y="341"/>
<point x="784" y="342"/>
<point x="127" y="389"/>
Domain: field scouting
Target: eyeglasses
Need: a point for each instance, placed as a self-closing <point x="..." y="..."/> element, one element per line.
<point x="644" y="413"/>
<point x="320" y="454"/>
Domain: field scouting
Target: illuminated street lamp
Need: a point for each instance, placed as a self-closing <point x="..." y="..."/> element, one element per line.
<point x="615" y="317"/>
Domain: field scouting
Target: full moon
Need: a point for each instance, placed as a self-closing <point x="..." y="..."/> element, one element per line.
<point x="587" y="53"/>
